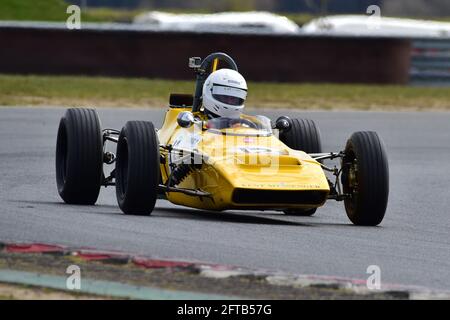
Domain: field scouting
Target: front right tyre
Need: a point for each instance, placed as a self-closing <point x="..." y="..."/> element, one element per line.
<point x="137" y="168"/>
<point x="365" y="178"/>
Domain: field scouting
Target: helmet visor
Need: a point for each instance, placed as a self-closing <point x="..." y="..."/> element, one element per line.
<point x="229" y="95"/>
<point x="233" y="101"/>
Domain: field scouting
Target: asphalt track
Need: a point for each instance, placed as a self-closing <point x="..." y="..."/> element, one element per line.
<point x="412" y="245"/>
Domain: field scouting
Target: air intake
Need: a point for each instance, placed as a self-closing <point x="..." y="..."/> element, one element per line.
<point x="252" y="196"/>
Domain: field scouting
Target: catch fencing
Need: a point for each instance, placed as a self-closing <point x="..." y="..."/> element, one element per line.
<point x="430" y="62"/>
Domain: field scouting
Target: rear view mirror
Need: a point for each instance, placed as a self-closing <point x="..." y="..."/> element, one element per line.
<point x="185" y="119"/>
<point x="283" y="123"/>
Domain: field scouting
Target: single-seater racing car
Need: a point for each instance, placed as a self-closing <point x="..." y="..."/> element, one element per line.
<point x="219" y="163"/>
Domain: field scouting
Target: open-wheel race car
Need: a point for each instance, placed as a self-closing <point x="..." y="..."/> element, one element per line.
<point x="246" y="162"/>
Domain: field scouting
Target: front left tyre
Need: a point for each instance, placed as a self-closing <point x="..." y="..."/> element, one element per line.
<point x="303" y="135"/>
<point x="79" y="156"/>
<point x="137" y="168"/>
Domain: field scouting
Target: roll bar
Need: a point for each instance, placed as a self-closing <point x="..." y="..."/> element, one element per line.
<point x="203" y="69"/>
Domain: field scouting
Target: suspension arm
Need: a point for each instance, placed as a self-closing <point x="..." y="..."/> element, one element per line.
<point x="191" y="192"/>
<point x="336" y="192"/>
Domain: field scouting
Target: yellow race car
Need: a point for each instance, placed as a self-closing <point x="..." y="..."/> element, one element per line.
<point x="245" y="163"/>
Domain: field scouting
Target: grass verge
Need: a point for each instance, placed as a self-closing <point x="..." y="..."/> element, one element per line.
<point x="55" y="10"/>
<point x="17" y="90"/>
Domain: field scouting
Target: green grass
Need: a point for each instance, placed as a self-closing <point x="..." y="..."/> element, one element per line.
<point x="109" y="15"/>
<point x="55" y="10"/>
<point x="42" y="10"/>
<point x="133" y="92"/>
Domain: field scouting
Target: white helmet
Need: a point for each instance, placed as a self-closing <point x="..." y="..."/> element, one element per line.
<point x="224" y="93"/>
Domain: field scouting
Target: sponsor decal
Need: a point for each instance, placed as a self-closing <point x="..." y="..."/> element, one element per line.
<point x="259" y="150"/>
<point x="187" y="141"/>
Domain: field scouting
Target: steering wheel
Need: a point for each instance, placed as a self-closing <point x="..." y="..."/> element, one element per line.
<point x="209" y="60"/>
<point x="249" y="123"/>
<point x="202" y="74"/>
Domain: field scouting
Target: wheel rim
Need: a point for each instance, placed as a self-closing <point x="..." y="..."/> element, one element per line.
<point x="350" y="183"/>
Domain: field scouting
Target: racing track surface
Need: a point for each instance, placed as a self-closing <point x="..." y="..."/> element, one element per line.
<point x="412" y="246"/>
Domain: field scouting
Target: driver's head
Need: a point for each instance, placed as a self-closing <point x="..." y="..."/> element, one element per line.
<point x="224" y="93"/>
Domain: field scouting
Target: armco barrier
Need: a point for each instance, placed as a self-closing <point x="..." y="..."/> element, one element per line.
<point x="146" y="53"/>
<point x="430" y="62"/>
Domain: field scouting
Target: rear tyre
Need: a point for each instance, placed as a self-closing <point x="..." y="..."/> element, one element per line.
<point x="365" y="177"/>
<point x="137" y="168"/>
<point x="79" y="156"/>
<point x="303" y="135"/>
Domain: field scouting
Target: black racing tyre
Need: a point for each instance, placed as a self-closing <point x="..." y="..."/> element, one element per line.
<point x="79" y="156"/>
<point x="300" y="212"/>
<point x="365" y="177"/>
<point x="303" y="135"/>
<point x="137" y="168"/>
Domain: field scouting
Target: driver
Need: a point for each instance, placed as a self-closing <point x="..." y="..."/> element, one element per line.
<point x="224" y="94"/>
